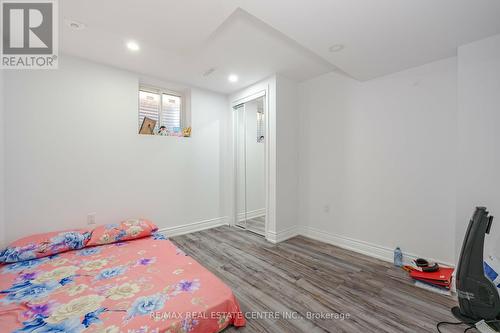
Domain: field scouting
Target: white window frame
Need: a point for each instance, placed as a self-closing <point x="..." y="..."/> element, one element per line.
<point x="161" y="92"/>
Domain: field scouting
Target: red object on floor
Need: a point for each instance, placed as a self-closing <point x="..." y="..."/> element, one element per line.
<point x="441" y="277"/>
<point x="435" y="283"/>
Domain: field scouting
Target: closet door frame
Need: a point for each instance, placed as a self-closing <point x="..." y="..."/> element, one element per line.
<point x="270" y="204"/>
<point x="240" y="111"/>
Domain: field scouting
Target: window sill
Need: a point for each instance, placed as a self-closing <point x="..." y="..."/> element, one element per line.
<point x="166" y="136"/>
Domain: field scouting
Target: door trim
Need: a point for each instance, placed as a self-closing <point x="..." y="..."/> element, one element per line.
<point x="263" y="90"/>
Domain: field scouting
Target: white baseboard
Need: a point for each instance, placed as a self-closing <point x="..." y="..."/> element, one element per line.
<point x="193" y="227"/>
<point x="276" y="237"/>
<point x="366" y="248"/>
<point x="252" y="214"/>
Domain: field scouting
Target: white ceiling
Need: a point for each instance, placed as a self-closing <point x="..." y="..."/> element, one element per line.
<point x="181" y="40"/>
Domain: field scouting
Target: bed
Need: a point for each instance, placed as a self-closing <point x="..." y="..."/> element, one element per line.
<point x="137" y="285"/>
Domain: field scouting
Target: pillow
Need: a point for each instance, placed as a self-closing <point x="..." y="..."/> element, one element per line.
<point x="123" y="231"/>
<point x="43" y="245"/>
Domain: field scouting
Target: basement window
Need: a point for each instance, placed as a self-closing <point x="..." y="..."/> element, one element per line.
<point x="161" y="112"/>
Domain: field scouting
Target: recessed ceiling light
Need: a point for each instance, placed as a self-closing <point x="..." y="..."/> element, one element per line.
<point x="232" y="78"/>
<point x="75" y="25"/>
<point x="133" y="46"/>
<point x="336" y="48"/>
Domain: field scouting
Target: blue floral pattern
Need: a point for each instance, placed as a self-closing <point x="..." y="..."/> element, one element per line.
<point x="93" y="317"/>
<point x="28" y="291"/>
<point x="71" y="240"/>
<point x="15" y="254"/>
<point x="39" y="325"/>
<point x="89" y="251"/>
<point x="146" y="305"/>
<point x="109" y="273"/>
<point x="64" y="241"/>
<point x="91" y="288"/>
<point x="24" y="265"/>
<point x="158" y="236"/>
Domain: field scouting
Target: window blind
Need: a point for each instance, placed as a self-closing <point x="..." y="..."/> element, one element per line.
<point x="171" y="112"/>
<point x="149" y="106"/>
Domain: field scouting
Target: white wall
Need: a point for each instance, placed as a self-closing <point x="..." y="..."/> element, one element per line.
<point x="377" y="160"/>
<point x="479" y="136"/>
<point x="72" y="148"/>
<point x="287" y="155"/>
<point x="2" y="164"/>
<point x="378" y="163"/>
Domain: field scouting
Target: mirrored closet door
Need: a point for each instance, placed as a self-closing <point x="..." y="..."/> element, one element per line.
<point x="250" y="141"/>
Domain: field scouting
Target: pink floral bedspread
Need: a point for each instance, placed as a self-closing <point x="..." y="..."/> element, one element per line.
<point x="140" y="286"/>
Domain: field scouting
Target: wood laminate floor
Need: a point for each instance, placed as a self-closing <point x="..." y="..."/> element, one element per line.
<point x="302" y="275"/>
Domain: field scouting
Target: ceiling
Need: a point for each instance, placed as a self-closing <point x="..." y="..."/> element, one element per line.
<point x="182" y="40"/>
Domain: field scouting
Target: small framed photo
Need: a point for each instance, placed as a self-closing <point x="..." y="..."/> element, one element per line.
<point x="148" y="126"/>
